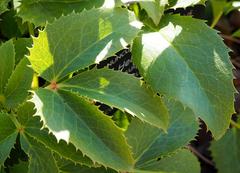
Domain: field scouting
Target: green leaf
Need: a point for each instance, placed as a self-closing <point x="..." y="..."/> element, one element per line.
<point x="236" y="33"/>
<point x="2" y="169"/>
<point x="82" y="43"/>
<point x="75" y="120"/>
<point x="20" y="167"/>
<point x="41" y="159"/>
<point x="32" y="128"/>
<point x="3" y="6"/>
<point x="11" y="25"/>
<point x="122" y="91"/>
<point x="7" y="62"/>
<point x="41" y="11"/>
<point x="174" y="4"/>
<point x="178" y="62"/>
<point x="18" y="85"/>
<point x="154" y="8"/>
<point x="226" y="152"/>
<point x="66" y="166"/>
<point x="8" y="135"/>
<point x="148" y="143"/>
<point x="21" y="45"/>
<point x="218" y="7"/>
<point x="181" y="162"/>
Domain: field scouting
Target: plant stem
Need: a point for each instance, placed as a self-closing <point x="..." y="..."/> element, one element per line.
<point x="200" y="156"/>
<point x="233" y="123"/>
<point x="31" y="29"/>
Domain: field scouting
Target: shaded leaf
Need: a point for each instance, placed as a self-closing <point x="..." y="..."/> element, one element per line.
<point x="82" y="43"/>
<point x="226" y="152"/>
<point x="3" y="6"/>
<point x="41" y="11"/>
<point x="8" y="135"/>
<point x="7" y="61"/>
<point x="20" y="167"/>
<point x="149" y="143"/>
<point x="75" y="120"/>
<point x="21" y="45"/>
<point x="33" y="128"/>
<point x="181" y="162"/>
<point x="179" y="63"/>
<point x="40" y="158"/>
<point x="66" y="166"/>
<point x="19" y="83"/>
<point x="120" y="90"/>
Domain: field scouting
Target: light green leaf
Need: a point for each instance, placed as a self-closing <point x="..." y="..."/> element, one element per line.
<point x="41" y="11"/>
<point x="7" y="61"/>
<point x="80" y="42"/>
<point x="75" y="120"/>
<point x="19" y="83"/>
<point x="218" y="7"/>
<point x="8" y="135"/>
<point x="122" y="91"/>
<point x="41" y="159"/>
<point x="236" y="33"/>
<point x="3" y="6"/>
<point x="154" y="8"/>
<point x="174" y="4"/>
<point x="226" y="152"/>
<point x="32" y="128"/>
<point x="149" y="143"/>
<point x="21" y="45"/>
<point x="182" y="63"/>
<point x="181" y="162"/>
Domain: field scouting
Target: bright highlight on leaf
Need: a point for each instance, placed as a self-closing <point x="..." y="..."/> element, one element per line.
<point x="179" y="63"/>
<point x="82" y="43"/>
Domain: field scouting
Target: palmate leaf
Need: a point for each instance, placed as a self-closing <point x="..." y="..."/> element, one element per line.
<point x="8" y="136"/>
<point x="226" y="152"/>
<point x="33" y="128"/>
<point x="149" y="143"/>
<point x="179" y="63"/>
<point x="184" y="3"/>
<point x="75" y="120"/>
<point x="79" y="43"/>
<point x="181" y="162"/>
<point x="120" y="90"/>
<point x="41" y="11"/>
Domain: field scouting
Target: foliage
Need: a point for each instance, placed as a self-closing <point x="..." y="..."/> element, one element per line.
<point x="50" y="83"/>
